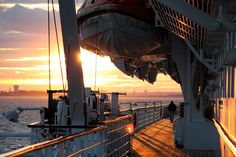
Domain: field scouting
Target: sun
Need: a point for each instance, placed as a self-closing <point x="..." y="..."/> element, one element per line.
<point x="88" y="60"/>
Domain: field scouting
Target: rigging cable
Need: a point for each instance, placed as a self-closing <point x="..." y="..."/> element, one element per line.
<point x="58" y="47"/>
<point x="96" y="53"/>
<point x="49" y="49"/>
<point x="95" y="75"/>
<point x="59" y="55"/>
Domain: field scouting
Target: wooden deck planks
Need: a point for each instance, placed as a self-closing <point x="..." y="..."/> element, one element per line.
<point x="156" y="140"/>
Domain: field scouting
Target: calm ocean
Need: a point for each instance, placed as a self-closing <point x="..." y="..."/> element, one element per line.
<point x="27" y="117"/>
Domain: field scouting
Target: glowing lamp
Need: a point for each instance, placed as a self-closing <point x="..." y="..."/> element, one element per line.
<point x="129" y="128"/>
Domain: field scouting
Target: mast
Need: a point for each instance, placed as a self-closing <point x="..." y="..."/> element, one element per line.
<point x="74" y="68"/>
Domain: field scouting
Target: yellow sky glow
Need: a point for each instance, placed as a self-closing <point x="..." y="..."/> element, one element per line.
<point x="108" y="77"/>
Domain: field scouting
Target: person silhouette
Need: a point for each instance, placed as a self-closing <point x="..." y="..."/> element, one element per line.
<point x="171" y="109"/>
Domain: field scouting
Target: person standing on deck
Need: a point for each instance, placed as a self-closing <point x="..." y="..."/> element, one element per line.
<point x="172" y="109"/>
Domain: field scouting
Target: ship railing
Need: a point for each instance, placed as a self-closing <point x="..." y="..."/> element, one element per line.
<point x="227" y="141"/>
<point x="146" y="113"/>
<point x="110" y="139"/>
<point x="118" y="136"/>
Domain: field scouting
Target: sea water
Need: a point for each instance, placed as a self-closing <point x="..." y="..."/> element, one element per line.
<point x="25" y="118"/>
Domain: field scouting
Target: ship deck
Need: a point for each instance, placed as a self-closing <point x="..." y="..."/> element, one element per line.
<point x="156" y="140"/>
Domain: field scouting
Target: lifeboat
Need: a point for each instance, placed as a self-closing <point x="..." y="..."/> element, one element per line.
<point x="124" y="66"/>
<point x="125" y="31"/>
<point x="119" y="28"/>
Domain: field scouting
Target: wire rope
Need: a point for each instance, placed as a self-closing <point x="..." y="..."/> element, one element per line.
<point x="58" y="46"/>
<point x="49" y="47"/>
<point x="59" y="55"/>
<point x="96" y="53"/>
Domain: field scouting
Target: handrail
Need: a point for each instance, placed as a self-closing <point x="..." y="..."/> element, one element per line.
<point x="117" y="119"/>
<point x="139" y="102"/>
<point x="232" y="138"/>
<point x="115" y="150"/>
<point x="61" y="126"/>
<point x="117" y="139"/>
<point x="77" y="152"/>
<point x="109" y="132"/>
<point x="143" y="107"/>
<point x="37" y="146"/>
<point x="225" y="136"/>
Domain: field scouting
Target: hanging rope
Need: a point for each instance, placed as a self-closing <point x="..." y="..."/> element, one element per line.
<point x="96" y="53"/>
<point x="58" y="47"/>
<point x="95" y="74"/>
<point x="59" y="55"/>
<point x="49" y="49"/>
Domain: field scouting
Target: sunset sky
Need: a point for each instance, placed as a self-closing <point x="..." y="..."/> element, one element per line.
<point x="24" y="55"/>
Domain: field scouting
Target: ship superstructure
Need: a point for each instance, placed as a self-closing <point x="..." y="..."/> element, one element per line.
<point x="195" y="44"/>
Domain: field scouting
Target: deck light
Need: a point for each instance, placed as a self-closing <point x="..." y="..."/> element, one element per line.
<point x="129" y="128"/>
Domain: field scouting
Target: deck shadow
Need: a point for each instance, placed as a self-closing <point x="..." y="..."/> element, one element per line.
<point x="147" y="145"/>
<point x="156" y="140"/>
<point x="169" y="149"/>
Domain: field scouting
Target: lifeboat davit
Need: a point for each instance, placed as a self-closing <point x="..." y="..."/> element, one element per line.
<point x="125" y="31"/>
